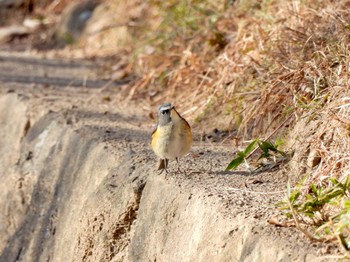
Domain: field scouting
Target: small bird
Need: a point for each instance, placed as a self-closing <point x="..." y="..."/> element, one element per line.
<point x="172" y="137"/>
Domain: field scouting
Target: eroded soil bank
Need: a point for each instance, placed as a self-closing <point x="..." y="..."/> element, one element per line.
<point x="78" y="183"/>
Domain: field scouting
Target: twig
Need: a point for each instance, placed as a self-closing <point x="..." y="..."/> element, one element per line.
<point x="298" y="226"/>
<point x="273" y="132"/>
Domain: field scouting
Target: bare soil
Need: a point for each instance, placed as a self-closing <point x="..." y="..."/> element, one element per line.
<point x="97" y="110"/>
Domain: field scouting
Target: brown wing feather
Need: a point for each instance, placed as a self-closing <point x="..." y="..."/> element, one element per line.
<point x="182" y="118"/>
<point x="154" y="129"/>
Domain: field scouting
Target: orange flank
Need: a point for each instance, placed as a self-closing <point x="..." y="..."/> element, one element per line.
<point x="155" y="137"/>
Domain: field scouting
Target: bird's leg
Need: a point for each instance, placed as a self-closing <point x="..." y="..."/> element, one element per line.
<point x="178" y="165"/>
<point x="166" y="161"/>
<point x="163" y="166"/>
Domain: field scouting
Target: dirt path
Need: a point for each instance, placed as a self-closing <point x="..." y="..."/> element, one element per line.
<point x="87" y="190"/>
<point x="30" y="70"/>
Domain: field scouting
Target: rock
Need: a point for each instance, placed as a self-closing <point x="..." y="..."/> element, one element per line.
<point x="108" y="27"/>
<point x="74" y="19"/>
<point x="32" y="23"/>
<point x="11" y="3"/>
<point x="9" y="32"/>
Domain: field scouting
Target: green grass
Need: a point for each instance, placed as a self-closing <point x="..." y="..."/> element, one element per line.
<point x="267" y="151"/>
<point x="323" y="212"/>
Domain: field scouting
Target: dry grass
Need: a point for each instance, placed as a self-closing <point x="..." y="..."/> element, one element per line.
<point x="277" y="60"/>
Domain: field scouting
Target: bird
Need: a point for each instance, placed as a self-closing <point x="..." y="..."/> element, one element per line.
<point x="172" y="137"/>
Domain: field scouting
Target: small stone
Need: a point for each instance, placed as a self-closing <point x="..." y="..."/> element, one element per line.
<point x="9" y="32"/>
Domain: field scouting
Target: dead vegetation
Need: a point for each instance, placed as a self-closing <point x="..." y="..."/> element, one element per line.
<point x="278" y="59"/>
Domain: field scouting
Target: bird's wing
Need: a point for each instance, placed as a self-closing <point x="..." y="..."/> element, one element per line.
<point x="154" y="129"/>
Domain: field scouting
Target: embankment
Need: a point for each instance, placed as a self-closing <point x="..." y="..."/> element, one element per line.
<point x="72" y="191"/>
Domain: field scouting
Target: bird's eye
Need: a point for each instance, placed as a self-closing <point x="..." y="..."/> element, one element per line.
<point x="165" y="112"/>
